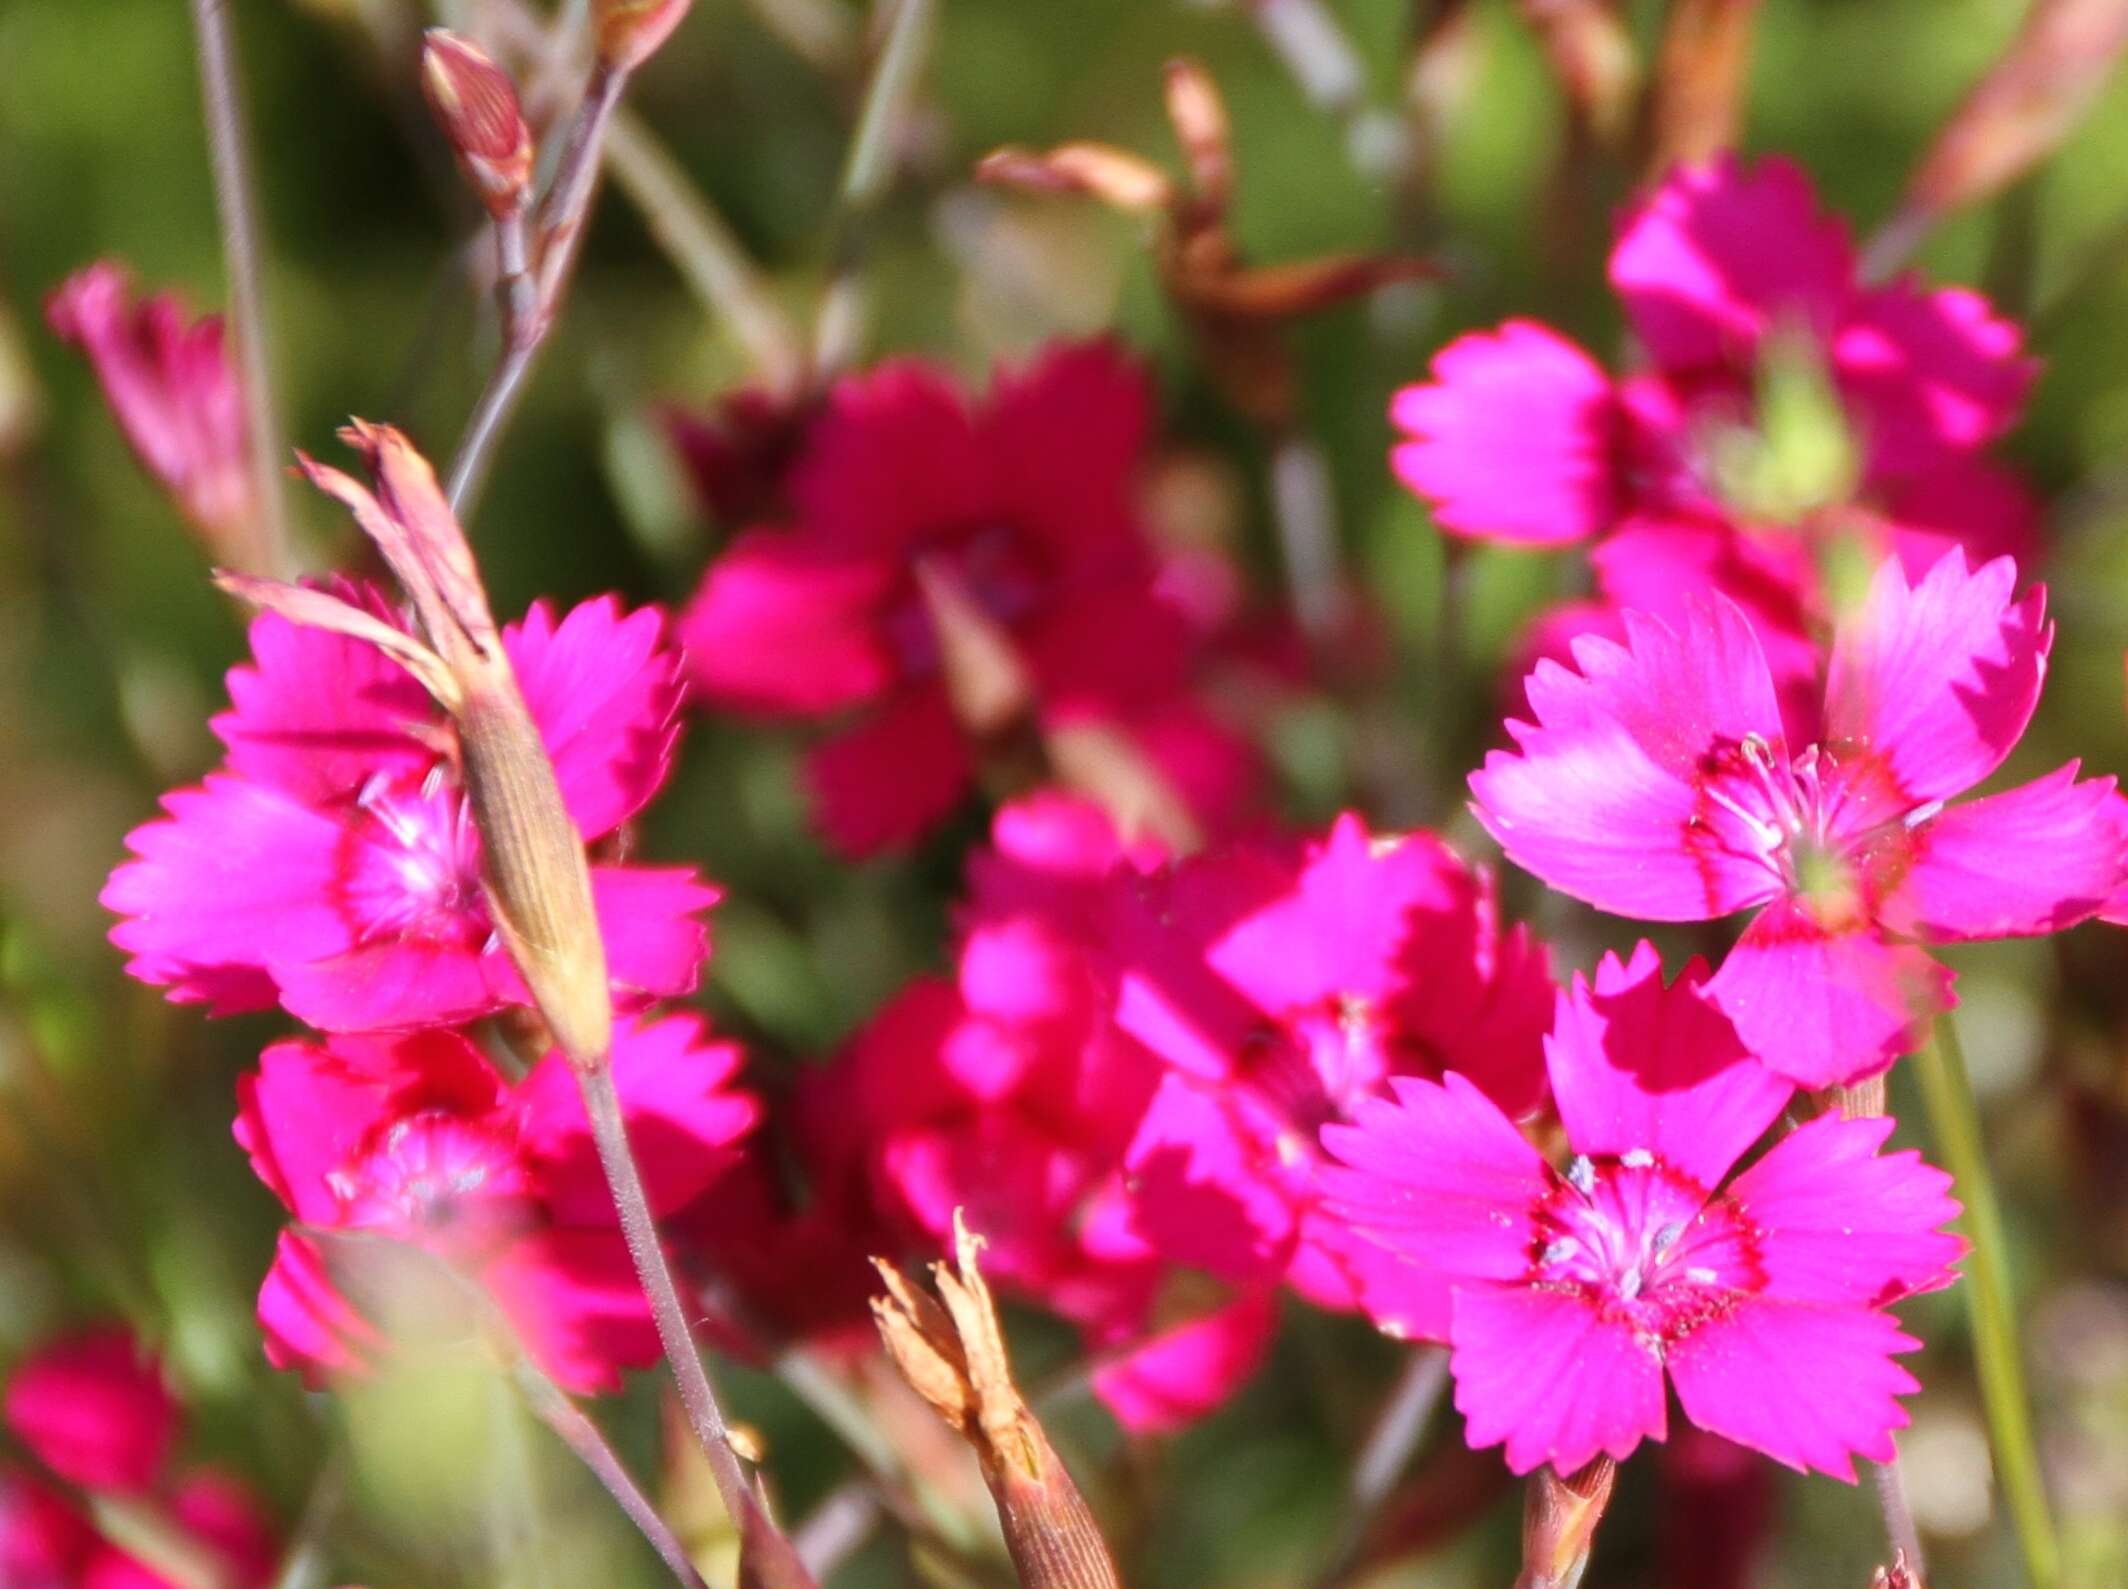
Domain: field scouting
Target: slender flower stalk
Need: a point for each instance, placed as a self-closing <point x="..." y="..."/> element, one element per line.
<point x="867" y="171"/>
<point x="1899" y="1529"/>
<point x="235" y="202"/>
<point x="576" y="1431"/>
<point x="1403" y="1420"/>
<point x="1990" y="1302"/>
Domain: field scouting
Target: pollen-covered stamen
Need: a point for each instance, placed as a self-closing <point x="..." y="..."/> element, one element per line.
<point x="1644" y="1244"/>
<point x="1810" y="819"/>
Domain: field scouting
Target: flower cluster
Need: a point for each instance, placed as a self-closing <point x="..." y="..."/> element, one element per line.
<point x="333" y="866"/>
<point x="94" y="1411"/>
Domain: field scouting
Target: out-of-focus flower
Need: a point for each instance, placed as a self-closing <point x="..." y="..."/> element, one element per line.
<point x="1661" y="782"/>
<point x="1787" y="413"/>
<point x="739" y="454"/>
<point x="1280" y="988"/>
<point x="952" y="571"/>
<point x="333" y="866"/>
<point x="174" y="391"/>
<point x="418" y="1140"/>
<point x="95" y="1410"/>
<point x="1008" y="1093"/>
<point x="1762" y="1299"/>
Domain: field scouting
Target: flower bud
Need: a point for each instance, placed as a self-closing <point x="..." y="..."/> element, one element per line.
<point x="954" y="1357"/>
<point x="1559" y="1518"/>
<point x="476" y="105"/>
<point x="630" y="31"/>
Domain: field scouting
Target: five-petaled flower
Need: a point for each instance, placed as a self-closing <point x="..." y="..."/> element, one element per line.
<point x="1784" y="404"/>
<point x="1575" y="1292"/>
<point x="1661" y="782"/>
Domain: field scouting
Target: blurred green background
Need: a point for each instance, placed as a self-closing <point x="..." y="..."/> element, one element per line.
<point x="120" y="1188"/>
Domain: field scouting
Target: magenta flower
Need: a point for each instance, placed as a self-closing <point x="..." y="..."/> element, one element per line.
<point x="332" y="865"/>
<point x="1280" y="989"/>
<point x="418" y="1140"/>
<point x="174" y="392"/>
<point x="94" y="1408"/>
<point x="1021" y="506"/>
<point x="1008" y="1092"/>
<point x="1659" y="783"/>
<point x="1762" y="1298"/>
<point x="1522" y="437"/>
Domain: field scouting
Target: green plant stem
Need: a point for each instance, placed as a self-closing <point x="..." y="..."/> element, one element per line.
<point x="236" y="205"/>
<point x="1990" y="1305"/>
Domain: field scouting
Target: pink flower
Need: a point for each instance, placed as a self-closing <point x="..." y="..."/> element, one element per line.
<point x="1020" y="506"/>
<point x="333" y="867"/>
<point x="174" y="393"/>
<point x="377" y="1145"/>
<point x="1723" y="271"/>
<point x="1762" y="1298"/>
<point x="1281" y="989"/>
<point x="1009" y="1093"/>
<point x="1659" y="782"/>
<point x="94" y="1408"/>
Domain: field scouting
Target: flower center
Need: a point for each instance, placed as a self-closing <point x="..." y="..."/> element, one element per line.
<point x="993" y="565"/>
<point x="410" y="863"/>
<point x="1645" y="1245"/>
<point x="434" y="1175"/>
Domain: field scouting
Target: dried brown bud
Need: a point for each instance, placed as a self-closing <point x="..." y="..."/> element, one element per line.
<point x="1114" y="176"/>
<point x="955" y="1358"/>
<point x="1199" y="117"/>
<point x="532" y="858"/>
<point x="1700" y="75"/>
<point x="630" y="31"/>
<point x="1559" y="1518"/>
<point x="1592" y="54"/>
<point x="476" y="105"/>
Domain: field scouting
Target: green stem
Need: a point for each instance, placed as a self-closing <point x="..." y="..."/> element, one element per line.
<point x="1990" y="1305"/>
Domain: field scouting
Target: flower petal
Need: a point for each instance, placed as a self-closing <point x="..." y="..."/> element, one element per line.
<point x="1929" y="373"/>
<point x="1604" y="800"/>
<point x="1838" y="1221"/>
<point x="577" y="1305"/>
<point x="885" y="781"/>
<point x="1546" y="1373"/>
<point x="1439" y="1176"/>
<point x="1936" y="681"/>
<point x="1636" y="1065"/>
<point x="1062" y="439"/>
<point x="1177" y="1376"/>
<point x="1207" y="1191"/>
<point x="650" y="918"/>
<point x="1811" y="1386"/>
<point x="1513" y="438"/>
<point x="785" y="622"/>
<point x="2030" y="860"/>
<point x="1719" y="254"/>
<point x="605" y="692"/>
<point x="1825" y="1005"/>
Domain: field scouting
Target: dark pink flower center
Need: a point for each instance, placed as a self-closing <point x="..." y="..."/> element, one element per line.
<point x="1316" y="1063"/>
<point x="1645" y="1245"/>
<point x="1823" y="823"/>
<point x="409" y="864"/>
<point x="995" y="566"/>
<point x="435" y="1175"/>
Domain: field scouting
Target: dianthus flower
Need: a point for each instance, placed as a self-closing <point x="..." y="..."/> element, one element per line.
<point x="1007" y="1092"/>
<point x="1762" y="1298"/>
<point x="909" y="501"/>
<point x="332" y="866"/>
<point x="94" y="1408"/>
<point x="1282" y="987"/>
<point x="1725" y="271"/>
<point x="173" y="391"/>
<point x="1659" y="782"/>
<point x="418" y="1140"/>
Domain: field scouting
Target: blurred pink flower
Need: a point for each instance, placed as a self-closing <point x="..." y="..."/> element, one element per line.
<point x="93" y="1408"/>
<point x="332" y="866"/>
<point x="1521" y="436"/>
<point x="1659" y="782"/>
<point x="418" y="1140"/>
<point x="1763" y="1299"/>
<point x="1024" y="505"/>
<point x="173" y="390"/>
<point x="1280" y="988"/>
